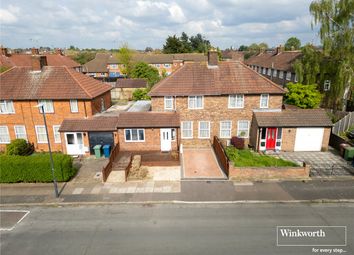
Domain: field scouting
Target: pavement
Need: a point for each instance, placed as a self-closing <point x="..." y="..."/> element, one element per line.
<point x="174" y="229"/>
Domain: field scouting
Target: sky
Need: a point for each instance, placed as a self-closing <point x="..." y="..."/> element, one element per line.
<point x="111" y="23"/>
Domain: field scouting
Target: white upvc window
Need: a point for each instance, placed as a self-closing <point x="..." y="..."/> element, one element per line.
<point x="56" y="133"/>
<point x="187" y="129"/>
<point x="295" y="78"/>
<point x="74" y="107"/>
<point x="167" y="65"/>
<point x="41" y="134"/>
<point x="168" y="102"/>
<point x="259" y="69"/>
<point x="243" y="128"/>
<point x="20" y="132"/>
<point x="281" y="74"/>
<point x="225" y="129"/>
<point x="288" y="76"/>
<point x="47" y="105"/>
<point x="195" y="102"/>
<point x="269" y="72"/>
<point x="204" y="130"/>
<point x="327" y="85"/>
<point x="236" y="101"/>
<point x="275" y="73"/>
<point x="4" y="134"/>
<point x="6" y="107"/>
<point x="134" y="135"/>
<point x="264" y="71"/>
<point x="264" y="100"/>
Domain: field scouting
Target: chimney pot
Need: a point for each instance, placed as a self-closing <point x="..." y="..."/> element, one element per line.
<point x="38" y="62"/>
<point x="212" y="58"/>
<point x="59" y="51"/>
<point x="279" y="49"/>
<point x="35" y="51"/>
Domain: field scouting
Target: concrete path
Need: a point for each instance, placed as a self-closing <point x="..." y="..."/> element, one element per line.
<point x="201" y="163"/>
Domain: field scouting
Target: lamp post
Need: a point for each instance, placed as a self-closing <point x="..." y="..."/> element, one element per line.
<point x="41" y="106"/>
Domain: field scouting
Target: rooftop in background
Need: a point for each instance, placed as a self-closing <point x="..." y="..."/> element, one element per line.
<point x="131" y="83"/>
<point x="225" y="78"/>
<point x="52" y="82"/>
<point x="294" y="118"/>
<point x="278" y="59"/>
<point x="54" y="59"/>
<point x="232" y="55"/>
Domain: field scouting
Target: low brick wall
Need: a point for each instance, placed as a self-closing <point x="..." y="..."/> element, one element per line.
<point x="263" y="173"/>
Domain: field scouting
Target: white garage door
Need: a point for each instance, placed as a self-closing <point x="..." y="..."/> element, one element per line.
<point x="308" y="139"/>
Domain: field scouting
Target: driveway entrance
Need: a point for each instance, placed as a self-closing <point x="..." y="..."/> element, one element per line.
<point x="201" y="163"/>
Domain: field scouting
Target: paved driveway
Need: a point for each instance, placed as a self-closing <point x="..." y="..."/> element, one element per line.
<point x="201" y="163"/>
<point x="323" y="164"/>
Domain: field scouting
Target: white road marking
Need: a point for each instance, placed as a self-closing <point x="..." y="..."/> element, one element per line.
<point x="24" y="211"/>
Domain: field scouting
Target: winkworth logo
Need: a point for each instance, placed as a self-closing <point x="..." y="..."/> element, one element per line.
<point x="311" y="235"/>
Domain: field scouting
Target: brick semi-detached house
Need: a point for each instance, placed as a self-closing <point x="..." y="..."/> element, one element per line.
<point x="64" y="92"/>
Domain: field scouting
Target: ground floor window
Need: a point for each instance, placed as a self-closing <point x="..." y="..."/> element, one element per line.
<point x="134" y="135"/>
<point x="225" y="129"/>
<point x="243" y="128"/>
<point x="204" y="129"/>
<point x="57" y="138"/>
<point x="20" y="132"/>
<point x="187" y="129"/>
<point x="41" y="134"/>
<point x="4" y="134"/>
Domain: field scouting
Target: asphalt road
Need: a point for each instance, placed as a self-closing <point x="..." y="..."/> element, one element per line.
<point x="169" y="229"/>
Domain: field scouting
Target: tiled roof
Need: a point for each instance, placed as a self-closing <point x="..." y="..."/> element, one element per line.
<point x="148" y="119"/>
<point x="26" y="60"/>
<point x="21" y="83"/>
<point x="92" y="124"/>
<point x="282" y="61"/>
<point x="294" y="118"/>
<point x="227" y="78"/>
<point x="131" y="83"/>
<point x="98" y="64"/>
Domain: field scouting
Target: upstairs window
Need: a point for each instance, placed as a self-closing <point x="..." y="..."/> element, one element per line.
<point x="288" y="76"/>
<point x="236" y="101"/>
<point x="168" y="102"/>
<point x="327" y="85"/>
<point x="281" y="74"/>
<point x="264" y="101"/>
<point x="269" y="73"/>
<point x="74" y="106"/>
<point x="6" y="106"/>
<point x="275" y="73"/>
<point x="195" y="102"/>
<point x="47" y="106"/>
<point x="264" y="71"/>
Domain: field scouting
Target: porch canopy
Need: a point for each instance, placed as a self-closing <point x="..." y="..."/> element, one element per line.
<point x="293" y="118"/>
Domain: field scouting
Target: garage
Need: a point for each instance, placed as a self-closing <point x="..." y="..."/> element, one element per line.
<point x="308" y="139"/>
<point x="100" y="138"/>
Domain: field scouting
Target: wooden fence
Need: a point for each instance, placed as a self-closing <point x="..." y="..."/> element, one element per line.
<point x="126" y="173"/>
<point x="221" y="155"/>
<point x="344" y="124"/>
<point x="108" y="168"/>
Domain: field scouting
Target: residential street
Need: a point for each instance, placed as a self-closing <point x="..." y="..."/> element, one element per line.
<point x="169" y="229"/>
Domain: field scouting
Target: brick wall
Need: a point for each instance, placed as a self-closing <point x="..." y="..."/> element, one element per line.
<point x="326" y="136"/>
<point x="288" y="139"/>
<point x="152" y="141"/>
<point x="258" y="173"/>
<point x="215" y="110"/>
<point x="28" y="115"/>
<point x="95" y="106"/>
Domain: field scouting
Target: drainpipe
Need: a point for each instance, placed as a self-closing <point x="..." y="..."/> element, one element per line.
<point x="258" y="138"/>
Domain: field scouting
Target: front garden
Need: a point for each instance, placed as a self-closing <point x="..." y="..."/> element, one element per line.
<point x="16" y="165"/>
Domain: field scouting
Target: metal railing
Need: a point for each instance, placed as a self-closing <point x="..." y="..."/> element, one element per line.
<point x="343" y="124"/>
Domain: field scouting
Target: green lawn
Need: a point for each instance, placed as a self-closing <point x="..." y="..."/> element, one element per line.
<point x="249" y="158"/>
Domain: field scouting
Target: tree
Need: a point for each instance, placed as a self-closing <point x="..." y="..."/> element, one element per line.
<point x="173" y="45"/>
<point x="293" y="43"/>
<point x="263" y="46"/>
<point x="308" y="67"/>
<point x="143" y="70"/>
<point x="141" y="94"/>
<point x="125" y="57"/>
<point x="336" y="19"/>
<point x="186" y="45"/>
<point x="243" y="48"/>
<point x="83" y="57"/>
<point x="199" y="44"/>
<point x="303" y="96"/>
<point x="149" y="49"/>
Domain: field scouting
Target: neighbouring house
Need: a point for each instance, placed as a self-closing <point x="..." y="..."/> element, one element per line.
<point x="277" y="66"/>
<point x="222" y="99"/>
<point x="233" y="55"/>
<point x="62" y="91"/>
<point x="108" y="67"/>
<point x="56" y="59"/>
<point x="123" y="88"/>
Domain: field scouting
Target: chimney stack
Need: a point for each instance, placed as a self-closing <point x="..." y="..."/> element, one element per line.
<point x="38" y="62"/>
<point x="279" y="49"/>
<point x="35" y="51"/>
<point x="213" y="58"/>
<point x="4" y="52"/>
<point x="59" y="51"/>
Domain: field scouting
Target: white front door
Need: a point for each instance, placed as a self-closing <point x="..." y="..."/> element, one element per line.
<point x="308" y="139"/>
<point x="74" y="143"/>
<point x="165" y="139"/>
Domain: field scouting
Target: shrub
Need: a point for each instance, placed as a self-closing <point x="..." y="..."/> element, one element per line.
<point x="141" y="94"/>
<point x="35" y="168"/>
<point x="238" y="142"/>
<point x="19" y="147"/>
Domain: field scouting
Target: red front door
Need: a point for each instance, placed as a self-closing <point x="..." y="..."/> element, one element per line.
<point x="271" y="137"/>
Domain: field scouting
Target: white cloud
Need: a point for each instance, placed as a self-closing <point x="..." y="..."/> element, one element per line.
<point x="9" y="15"/>
<point x="176" y="14"/>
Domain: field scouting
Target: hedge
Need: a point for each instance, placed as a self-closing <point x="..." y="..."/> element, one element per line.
<point x="35" y="168"/>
